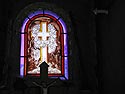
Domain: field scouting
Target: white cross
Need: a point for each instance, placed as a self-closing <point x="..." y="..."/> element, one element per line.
<point x="43" y="34"/>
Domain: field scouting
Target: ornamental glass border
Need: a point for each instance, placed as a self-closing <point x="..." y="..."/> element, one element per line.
<point x="64" y="33"/>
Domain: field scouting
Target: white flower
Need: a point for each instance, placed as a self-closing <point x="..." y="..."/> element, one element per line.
<point x="36" y="54"/>
<point x="35" y="30"/>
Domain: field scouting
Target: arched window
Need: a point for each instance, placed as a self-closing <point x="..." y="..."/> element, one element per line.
<point x="44" y="37"/>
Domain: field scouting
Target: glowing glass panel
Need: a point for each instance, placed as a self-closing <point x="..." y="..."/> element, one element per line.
<point x="44" y="38"/>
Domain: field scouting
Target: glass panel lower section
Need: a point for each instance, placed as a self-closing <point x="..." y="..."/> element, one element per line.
<point x="21" y="66"/>
<point x="66" y="67"/>
<point x="22" y="45"/>
<point x="65" y="45"/>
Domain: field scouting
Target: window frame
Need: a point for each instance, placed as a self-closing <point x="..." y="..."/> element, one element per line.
<point x="65" y="32"/>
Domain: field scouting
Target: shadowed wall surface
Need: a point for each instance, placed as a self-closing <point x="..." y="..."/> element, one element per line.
<point x="99" y="41"/>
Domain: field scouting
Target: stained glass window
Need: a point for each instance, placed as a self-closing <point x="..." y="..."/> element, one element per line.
<point x="44" y="38"/>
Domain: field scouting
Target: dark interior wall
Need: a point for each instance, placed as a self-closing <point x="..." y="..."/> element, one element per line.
<point x="100" y="40"/>
<point x="83" y="25"/>
<point x="110" y="40"/>
<point x="83" y="22"/>
<point x="3" y="20"/>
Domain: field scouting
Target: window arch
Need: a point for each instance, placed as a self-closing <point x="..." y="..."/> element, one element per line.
<point x="44" y="37"/>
